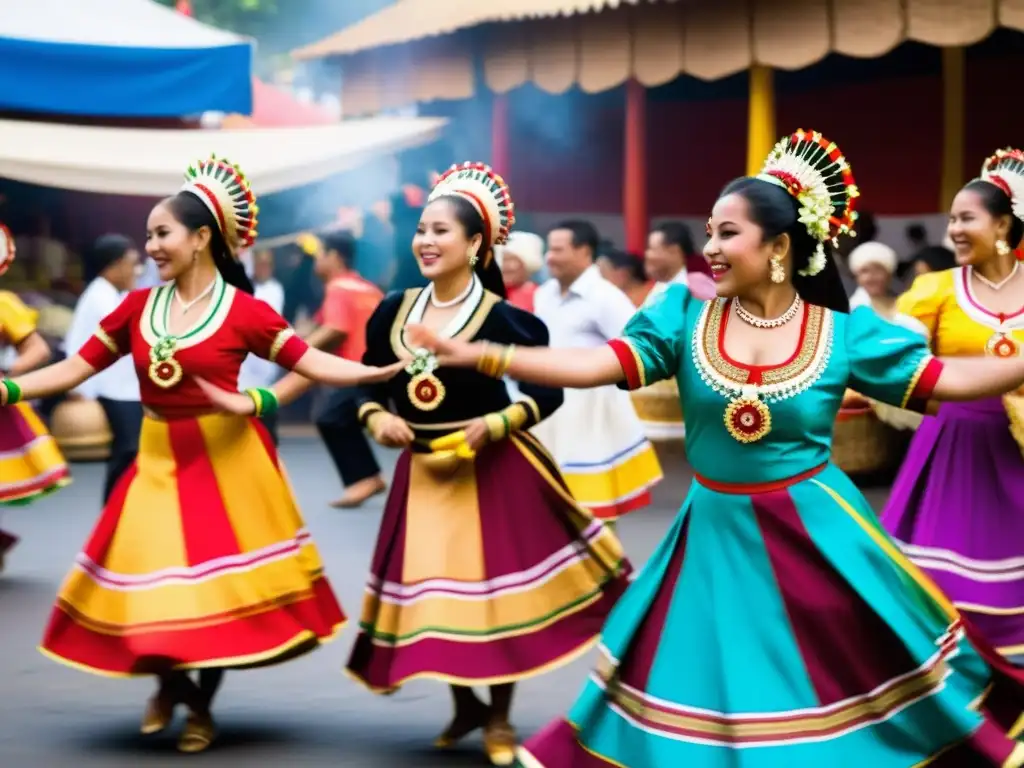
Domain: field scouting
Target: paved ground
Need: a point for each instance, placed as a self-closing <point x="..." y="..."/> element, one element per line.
<point x="306" y="713"/>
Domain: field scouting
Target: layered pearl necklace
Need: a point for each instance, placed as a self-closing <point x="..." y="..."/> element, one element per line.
<point x="777" y="322"/>
<point x="187" y="305"/>
<point x="452" y="302"/>
<point x="996" y="286"/>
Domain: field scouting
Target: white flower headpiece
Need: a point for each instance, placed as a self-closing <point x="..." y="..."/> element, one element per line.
<point x="814" y="171"/>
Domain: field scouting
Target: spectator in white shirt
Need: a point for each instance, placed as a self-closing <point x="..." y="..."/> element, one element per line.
<point x="111" y="268"/>
<point x="257" y="372"/>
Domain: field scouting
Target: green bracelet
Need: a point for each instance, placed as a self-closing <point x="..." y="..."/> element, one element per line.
<point x="265" y="401"/>
<point x="12" y="392"/>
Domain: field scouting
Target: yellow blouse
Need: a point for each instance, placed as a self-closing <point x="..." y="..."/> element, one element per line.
<point x="17" y="321"/>
<point x="957" y="323"/>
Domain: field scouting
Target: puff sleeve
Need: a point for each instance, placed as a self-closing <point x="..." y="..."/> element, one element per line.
<point x="268" y="335"/>
<point x="649" y="349"/>
<point x="113" y="338"/>
<point x="888" y="362"/>
<point x="17" y="321"/>
<point x="925" y="299"/>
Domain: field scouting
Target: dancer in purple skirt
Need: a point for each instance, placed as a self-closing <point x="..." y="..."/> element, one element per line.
<point x="957" y="506"/>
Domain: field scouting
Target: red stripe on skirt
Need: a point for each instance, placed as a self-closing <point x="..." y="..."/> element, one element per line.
<point x="643" y="650"/>
<point x="846" y="647"/>
<point x="266" y="439"/>
<point x="205" y="526"/>
<point x="102" y="536"/>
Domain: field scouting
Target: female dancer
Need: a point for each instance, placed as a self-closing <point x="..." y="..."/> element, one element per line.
<point x="31" y="464"/>
<point x="776" y="625"/>
<point x="200" y="560"/>
<point x="957" y="505"/>
<point x="485" y="572"/>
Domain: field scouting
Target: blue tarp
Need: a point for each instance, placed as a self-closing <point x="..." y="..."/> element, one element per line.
<point x="120" y="58"/>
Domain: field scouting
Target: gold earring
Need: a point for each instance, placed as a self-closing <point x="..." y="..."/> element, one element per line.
<point x="472" y="256"/>
<point x="776" y="271"/>
<point x="1002" y="248"/>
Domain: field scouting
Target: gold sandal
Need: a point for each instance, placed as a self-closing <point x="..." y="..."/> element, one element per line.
<point x="500" y="743"/>
<point x="198" y="734"/>
<point x="460" y="727"/>
<point x="158" y="715"/>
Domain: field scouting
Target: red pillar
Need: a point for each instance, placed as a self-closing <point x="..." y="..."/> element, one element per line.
<point x="499" y="134"/>
<point x="634" y="176"/>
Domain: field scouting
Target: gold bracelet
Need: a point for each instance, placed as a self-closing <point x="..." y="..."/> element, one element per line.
<point x="505" y="361"/>
<point x="490" y="359"/>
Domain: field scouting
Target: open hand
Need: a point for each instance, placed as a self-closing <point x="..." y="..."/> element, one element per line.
<point x="374" y="375"/>
<point x="224" y="400"/>
<point x="448" y="351"/>
<point x="390" y="430"/>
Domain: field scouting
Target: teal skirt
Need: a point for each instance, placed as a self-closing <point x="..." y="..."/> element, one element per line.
<point x="778" y="625"/>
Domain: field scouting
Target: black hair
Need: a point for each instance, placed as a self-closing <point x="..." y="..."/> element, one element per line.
<point x="105" y="252"/>
<point x="624" y="260"/>
<point x="916" y="233"/>
<point x="867" y="227"/>
<point x="678" y="234"/>
<point x="775" y="210"/>
<point x="342" y="243"/>
<point x="472" y="223"/>
<point x="995" y="200"/>
<point x="583" y="234"/>
<point x="937" y="257"/>
<point x="191" y="212"/>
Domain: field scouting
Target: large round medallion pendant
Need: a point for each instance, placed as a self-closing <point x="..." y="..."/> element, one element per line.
<point x="165" y="373"/>
<point x="748" y="419"/>
<point x="425" y="391"/>
<point x="1001" y="345"/>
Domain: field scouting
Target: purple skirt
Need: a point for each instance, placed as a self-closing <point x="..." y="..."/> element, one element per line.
<point x="957" y="508"/>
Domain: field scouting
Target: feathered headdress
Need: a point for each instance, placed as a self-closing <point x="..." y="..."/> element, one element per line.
<point x="1005" y="169"/>
<point x="224" y="189"/>
<point x="814" y="171"/>
<point x="6" y="249"/>
<point x="486" y="191"/>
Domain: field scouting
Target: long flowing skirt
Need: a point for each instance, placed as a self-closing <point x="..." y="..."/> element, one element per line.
<point x="780" y="626"/>
<point x="484" y="573"/>
<point x="200" y="559"/>
<point x="602" y="450"/>
<point x="957" y="507"/>
<point x="31" y="464"/>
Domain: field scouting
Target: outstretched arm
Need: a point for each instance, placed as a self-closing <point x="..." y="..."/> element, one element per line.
<point x="974" y="378"/>
<point x="33" y="351"/>
<point x="338" y="372"/>
<point x="51" y="380"/>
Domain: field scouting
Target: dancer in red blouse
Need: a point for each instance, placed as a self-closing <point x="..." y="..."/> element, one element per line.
<point x="200" y="560"/>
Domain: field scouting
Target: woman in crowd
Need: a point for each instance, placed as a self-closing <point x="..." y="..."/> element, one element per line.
<point x="486" y="572"/>
<point x="958" y="503"/>
<point x="520" y="259"/>
<point x="200" y="559"/>
<point x="776" y="624"/>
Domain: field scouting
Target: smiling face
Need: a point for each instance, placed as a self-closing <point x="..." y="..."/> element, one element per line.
<point x="440" y="245"/>
<point x="736" y="249"/>
<point x="973" y="230"/>
<point x="171" y="245"/>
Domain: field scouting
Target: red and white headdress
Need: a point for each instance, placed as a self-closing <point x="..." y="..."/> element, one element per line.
<point x="6" y="249"/>
<point x="814" y="171"/>
<point x="224" y="189"/>
<point x="1005" y="169"/>
<point x="486" y="191"/>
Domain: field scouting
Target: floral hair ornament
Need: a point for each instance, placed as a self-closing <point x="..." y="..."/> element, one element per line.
<point x="6" y="249"/>
<point x="813" y="170"/>
<point x="1005" y="169"/>
<point x="223" y="188"/>
<point x="486" y="191"/>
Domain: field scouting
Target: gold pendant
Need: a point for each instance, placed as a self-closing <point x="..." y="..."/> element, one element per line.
<point x="164" y="370"/>
<point x="425" y="391"/>
<point x="747" y="419"/>
<point x="1001" y="345"/>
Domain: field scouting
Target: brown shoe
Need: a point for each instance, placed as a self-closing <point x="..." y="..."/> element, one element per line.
<point x="359" y="493"/>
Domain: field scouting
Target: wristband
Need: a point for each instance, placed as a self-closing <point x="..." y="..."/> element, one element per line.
<point x="12" y="392"/>
<point x="495" y="360"/>
<point x="264" y="400"/>
<point x="366" y="411"/>
<point x="498" y="426"/>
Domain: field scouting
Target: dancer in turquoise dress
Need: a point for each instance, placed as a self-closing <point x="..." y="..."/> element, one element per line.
<point x="777" y="624"/>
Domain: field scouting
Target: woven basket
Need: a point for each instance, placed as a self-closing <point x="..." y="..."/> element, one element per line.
<point x="81" y="430"/>
<point x="658" y="407"/>
<point x="863" y="444"/>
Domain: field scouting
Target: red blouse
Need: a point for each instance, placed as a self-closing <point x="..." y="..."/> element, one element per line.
<point x="233" y="325"/>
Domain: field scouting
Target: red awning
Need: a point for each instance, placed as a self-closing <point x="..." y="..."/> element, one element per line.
<point x="276" y="108"/>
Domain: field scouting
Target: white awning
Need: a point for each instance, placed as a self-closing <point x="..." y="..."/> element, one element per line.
<point x="152" y="162"/>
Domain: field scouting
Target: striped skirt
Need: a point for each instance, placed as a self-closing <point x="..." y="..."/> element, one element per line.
<point x="780" y="626"/>
<point x="31" y="464"/>
<point x="602" y="450"/>
<point x="484" y="573"/>
<point x="200" y="559"/>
